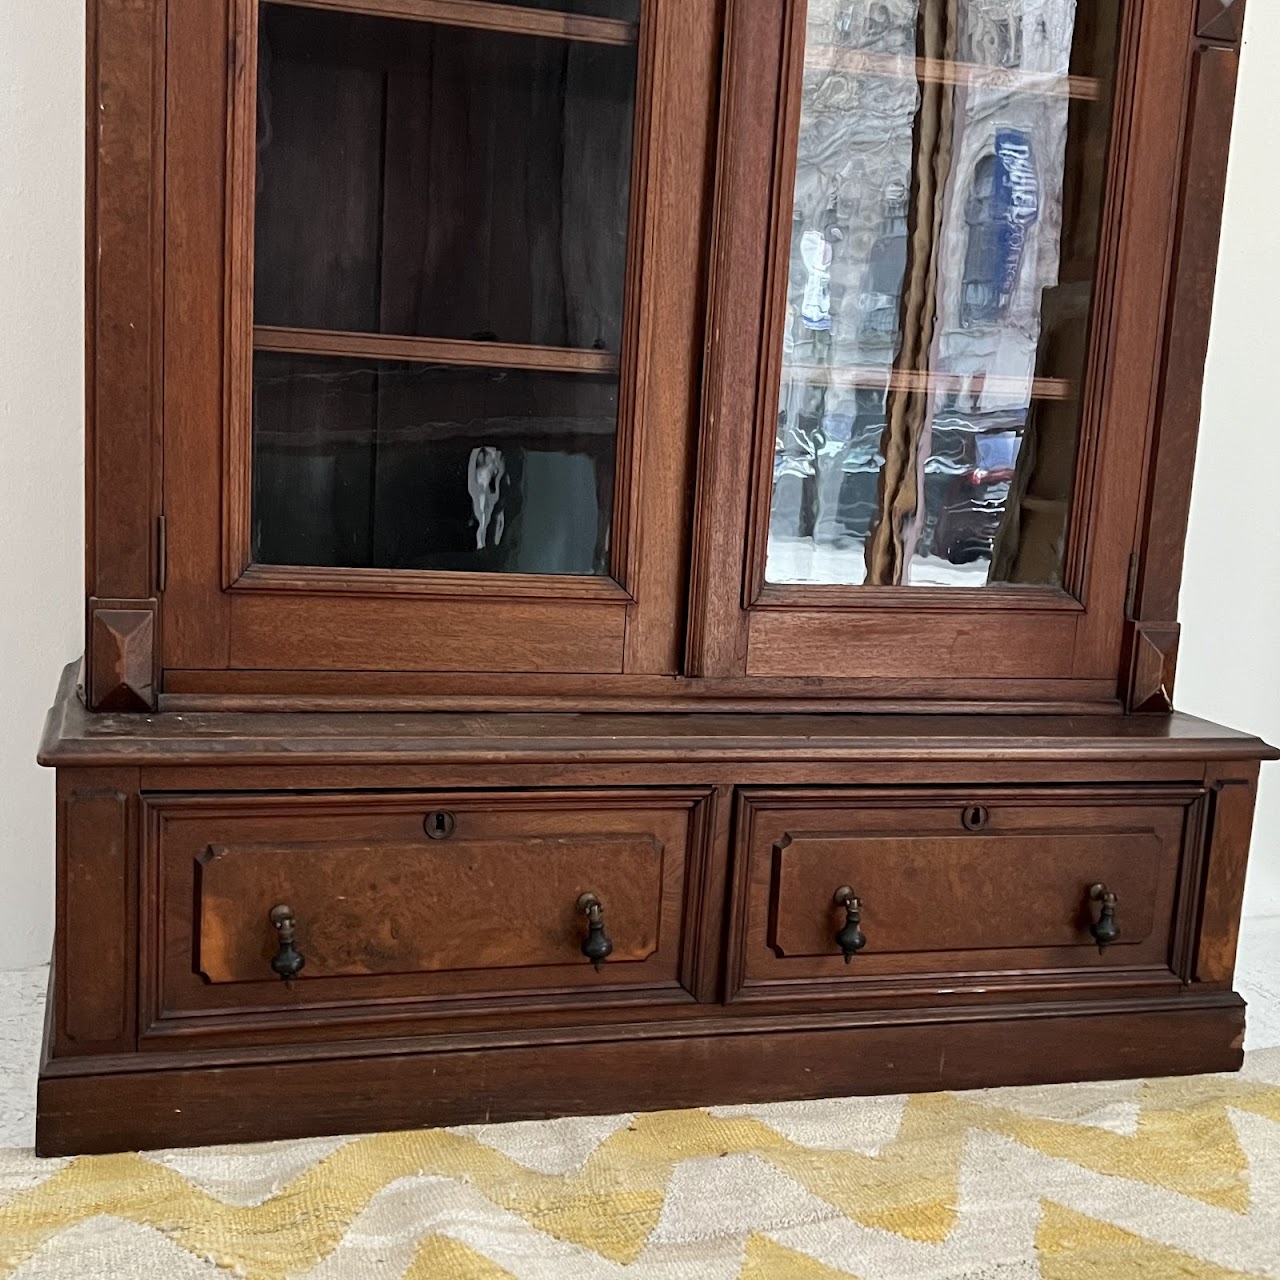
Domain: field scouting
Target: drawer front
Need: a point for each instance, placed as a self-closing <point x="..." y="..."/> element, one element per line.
<point x="952" y="884"/>
<point x="461" y="898"/>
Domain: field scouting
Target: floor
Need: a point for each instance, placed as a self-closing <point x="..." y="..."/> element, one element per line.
<point x="22" y="995"/>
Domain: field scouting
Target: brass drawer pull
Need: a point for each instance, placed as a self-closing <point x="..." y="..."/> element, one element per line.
<point x="597" y="946"/>
<point x="850" y="939"/>
<point x="288" y="960"/>
<point x="1105" y="930"/>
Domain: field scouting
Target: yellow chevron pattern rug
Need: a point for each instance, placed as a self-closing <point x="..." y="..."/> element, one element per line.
<point x="1134" y="1181"/>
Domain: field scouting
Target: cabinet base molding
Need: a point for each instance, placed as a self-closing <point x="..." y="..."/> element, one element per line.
<point x="404" y="920"/>
<point x="126" y="1104"/>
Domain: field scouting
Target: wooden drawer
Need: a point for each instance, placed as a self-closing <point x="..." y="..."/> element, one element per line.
<point x="1007" y="903"/>
<point x="484" y="910"/>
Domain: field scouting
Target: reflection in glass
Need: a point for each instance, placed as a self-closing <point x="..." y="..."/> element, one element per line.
<point x="947" y="205"/>
<point x="371" y="464"/>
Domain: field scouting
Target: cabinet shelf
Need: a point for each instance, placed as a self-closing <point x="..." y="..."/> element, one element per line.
<point x="480" y="15"/>
<point x="879" y="378"/>
<point x="938" y="71"/>
<point x="442" y="351"/>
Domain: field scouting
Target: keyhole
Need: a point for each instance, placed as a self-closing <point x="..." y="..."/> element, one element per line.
<point x="440" y="825"/>
<point x="974" y="818"/>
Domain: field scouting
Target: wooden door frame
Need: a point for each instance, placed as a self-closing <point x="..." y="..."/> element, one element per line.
<point x="221" y="617"/>
<point x="1074" y="642"/>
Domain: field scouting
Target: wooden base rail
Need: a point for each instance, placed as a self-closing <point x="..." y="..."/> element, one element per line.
<point x="127" y="1104"/>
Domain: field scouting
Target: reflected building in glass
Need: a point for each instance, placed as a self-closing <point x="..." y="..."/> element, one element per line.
<point x="948" y="194"/>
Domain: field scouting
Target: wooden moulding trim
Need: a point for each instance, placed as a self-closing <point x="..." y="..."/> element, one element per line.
<point x="424" y="582"/>
<point x="1099" y="380"/>
<point x="93" y="957"/>
<point x="1220" y="20"/>
<point x="141" y="1102"/>
<point x="122" y="657"/>
<point x="695" y="756"/>
<point x="770" y="362"/>
<point x="124" y="239"/>
<point x="1151" y="662"/>
<point x="238" y="300"/>
<point x="379" y="346"/>
<point x="243" y="700"/>
<point x="1191" y="291"/>
<point x="481" y="15"/>
<point x="941" y="71"/>
<point x="718" y="1025"/>
<point x="1003" y="596"/>
<point x="943" y="694"/>
<point x="1228" y="829"/>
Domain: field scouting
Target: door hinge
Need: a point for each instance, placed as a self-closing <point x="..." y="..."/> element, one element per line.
<point x="162" y="555"/>
<point x="1131" y="590"/>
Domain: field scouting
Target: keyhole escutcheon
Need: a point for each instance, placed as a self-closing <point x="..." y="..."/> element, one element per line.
<point x="440" y="825"/>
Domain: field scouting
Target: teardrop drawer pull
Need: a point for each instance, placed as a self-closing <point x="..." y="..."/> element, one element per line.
<point x="288" y="960"/>
<point x="1104" y="929"/>
<point x="598" y="946"/>
<point x="850" y="939"/>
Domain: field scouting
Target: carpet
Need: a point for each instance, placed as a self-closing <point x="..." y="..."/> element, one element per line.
<point x="1155" y="1179"/>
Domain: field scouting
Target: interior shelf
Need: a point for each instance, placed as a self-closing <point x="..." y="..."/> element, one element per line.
<point x="480" y="15"/>
<point x="442" y="351"/>
<point x="938" y="71"/>
<point x="880" y="378"/>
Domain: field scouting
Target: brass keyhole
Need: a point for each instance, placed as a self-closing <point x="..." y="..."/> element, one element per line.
<point x="440" y="825"/>
<point x="974" y="817"/>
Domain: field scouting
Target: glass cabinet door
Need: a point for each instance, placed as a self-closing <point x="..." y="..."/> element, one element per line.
<point x="950" y="172"/>
<point x="942" y="253"/>
<point x="457" y="287"/>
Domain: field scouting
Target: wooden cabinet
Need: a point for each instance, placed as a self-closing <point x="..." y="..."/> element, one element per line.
<point x="624" y="474"/>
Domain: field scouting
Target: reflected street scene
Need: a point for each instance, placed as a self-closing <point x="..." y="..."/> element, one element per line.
<point x="948" y="197"/>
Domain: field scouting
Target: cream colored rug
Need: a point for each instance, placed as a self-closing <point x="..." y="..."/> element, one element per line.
<point x="1168" y="1178"/>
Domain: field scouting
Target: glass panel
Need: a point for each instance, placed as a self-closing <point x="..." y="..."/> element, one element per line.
<point x="467" y="192"/>
<point x="948" y="198"/>
<point x="440" y="181"/>
<point x="378" y="464"/>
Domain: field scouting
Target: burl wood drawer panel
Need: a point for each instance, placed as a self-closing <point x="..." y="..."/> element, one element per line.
<point x="456" y="900"/>
<point x="988" y="889"/>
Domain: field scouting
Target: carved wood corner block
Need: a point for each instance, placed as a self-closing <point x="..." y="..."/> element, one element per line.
<point x="1153" y="660"/>
<point x="122" y="655"/>
<point x="1221" y="20"/>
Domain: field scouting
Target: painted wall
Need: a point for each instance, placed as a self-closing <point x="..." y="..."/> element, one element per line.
<point x="41" y="433"/>
<point x="1229" y="669"/>
<point x="1231" y="602"/>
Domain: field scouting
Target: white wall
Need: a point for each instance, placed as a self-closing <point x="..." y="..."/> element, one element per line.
<point x="1230" y="659"/>
<point x="41" y="433"/>
<point x="1231" y="602"/>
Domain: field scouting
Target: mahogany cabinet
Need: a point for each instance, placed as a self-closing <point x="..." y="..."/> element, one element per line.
<point x="633" y="559"/>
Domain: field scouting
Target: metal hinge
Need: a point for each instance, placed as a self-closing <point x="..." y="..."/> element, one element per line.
<point x="162" y="554"/>
<point x="1131" y="591"/>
